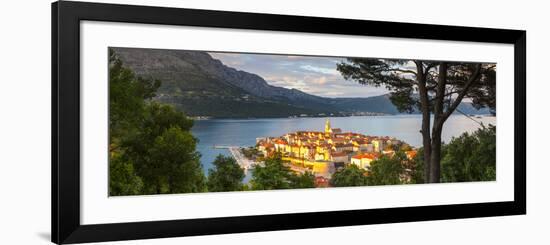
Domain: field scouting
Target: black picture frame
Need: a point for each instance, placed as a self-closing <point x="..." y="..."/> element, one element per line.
<point x="66" y="18"/>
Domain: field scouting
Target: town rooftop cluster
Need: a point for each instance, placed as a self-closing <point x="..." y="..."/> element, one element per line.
<point x="324" y="152"/>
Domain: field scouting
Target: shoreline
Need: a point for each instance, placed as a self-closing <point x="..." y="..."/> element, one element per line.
<point x="208" y="118"/>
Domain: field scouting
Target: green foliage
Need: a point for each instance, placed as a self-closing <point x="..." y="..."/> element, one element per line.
<point x="305" y="180"/>
<point x="417" y="175"/>
<point x="164" y="152"/>
<point x="470" y="157"/>
<point x="350" y="175"/>
<point x="151" y="148"/>
<point x="401" y="78"/>
<point x="227" y="175"/>
<point x="127" y="96"/>
<point x="122" y="178"/>
<point x="159" y="117"/>
<point x="173" y="164"/>
<point x="383" y="171"/>
<point x="273" y="175"/>
<point x="387" y="170"/>
<point x="276" y="175"/>
<point x="382" y="72"/>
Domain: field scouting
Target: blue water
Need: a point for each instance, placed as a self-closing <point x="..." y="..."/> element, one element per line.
<point x="243" y="132"/>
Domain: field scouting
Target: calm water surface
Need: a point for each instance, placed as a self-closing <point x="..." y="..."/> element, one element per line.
<point x="243" y="132"/>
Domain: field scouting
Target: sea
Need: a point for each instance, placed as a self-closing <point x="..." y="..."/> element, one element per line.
<point x="243" y="132"/>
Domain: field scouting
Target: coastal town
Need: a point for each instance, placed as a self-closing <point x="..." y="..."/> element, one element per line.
<point x="323" y="152"/>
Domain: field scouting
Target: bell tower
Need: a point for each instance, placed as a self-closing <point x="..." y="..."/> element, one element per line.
<point x="328" y="129"/>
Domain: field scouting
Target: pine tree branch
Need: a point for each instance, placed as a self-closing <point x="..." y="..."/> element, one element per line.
<point x="471" y="81"/>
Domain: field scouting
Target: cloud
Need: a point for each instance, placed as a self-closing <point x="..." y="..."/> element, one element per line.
<point x="283" y="81"/>
<point x="320" y="80"/>
<point x="310" y="74"/>
<point x="331" y="71"/>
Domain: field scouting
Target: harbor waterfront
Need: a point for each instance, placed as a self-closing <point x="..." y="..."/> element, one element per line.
<point x="236" y="133"/>
<point x="236" y="153"/>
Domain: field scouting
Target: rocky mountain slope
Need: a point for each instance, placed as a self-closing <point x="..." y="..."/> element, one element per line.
<point x="199" y="85"/>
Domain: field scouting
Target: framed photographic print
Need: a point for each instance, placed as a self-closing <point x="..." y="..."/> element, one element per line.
<point x="175" y="122"/>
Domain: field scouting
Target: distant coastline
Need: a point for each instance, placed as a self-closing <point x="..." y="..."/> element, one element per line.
<point x="204" y="118"/>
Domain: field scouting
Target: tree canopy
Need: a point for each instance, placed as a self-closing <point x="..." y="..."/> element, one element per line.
<point x="151" y="148"/>
<point x="432" y="87"/>
<point x="227" y="175"/>
<point x="387" y="170"/>
<point x="408" y="79"/>
<point x="274" y="174"/>
<point x="350" y="175"/>
<point x="128" y="95"/>
<point x="122" y="177"/>
<point x="469" y="157"/>
<point x="171" y="165"/>
<point x="304" y="180"/>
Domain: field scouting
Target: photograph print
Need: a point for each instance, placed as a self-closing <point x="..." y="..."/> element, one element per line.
<point x="183" y="121"/>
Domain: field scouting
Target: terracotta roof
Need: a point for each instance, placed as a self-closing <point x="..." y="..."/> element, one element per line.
<point x="411" y="154"/>
<point x="362" y="141"/>
<point x="367" y="155"/>
<point x="265" y="144"/>
<point x="279" y="141"/>
<point x="338" y="154"/>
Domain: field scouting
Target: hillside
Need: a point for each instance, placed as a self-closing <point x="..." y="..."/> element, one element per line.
<point x="199" y="85"/>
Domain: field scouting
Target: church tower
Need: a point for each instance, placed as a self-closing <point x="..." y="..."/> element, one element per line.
<point x="328" y="129"/>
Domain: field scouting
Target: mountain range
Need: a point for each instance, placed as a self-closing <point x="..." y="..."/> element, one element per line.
<point x="200" y="85"/>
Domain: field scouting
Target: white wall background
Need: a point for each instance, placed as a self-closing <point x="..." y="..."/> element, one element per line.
<point x="25" y="121"/>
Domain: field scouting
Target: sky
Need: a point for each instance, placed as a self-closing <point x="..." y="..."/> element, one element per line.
<point x="313" y="75"/>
